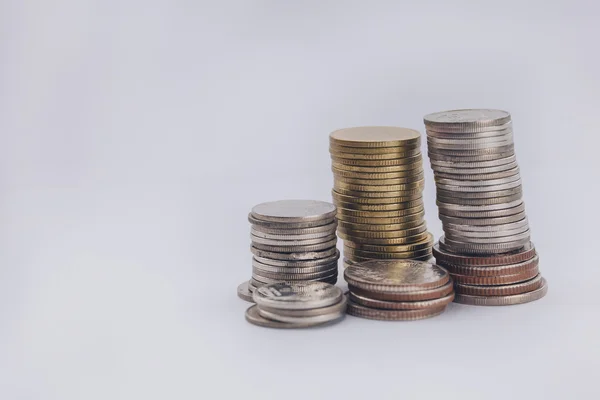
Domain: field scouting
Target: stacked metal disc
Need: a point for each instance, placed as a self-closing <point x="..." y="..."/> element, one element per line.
<point x="378" y="185"/>
<point x="296" y="305"/>
<point x="486" y="244"/>
<point x="292" y="240"/>
<point x="397" y="290"/>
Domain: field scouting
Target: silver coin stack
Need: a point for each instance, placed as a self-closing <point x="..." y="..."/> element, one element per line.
<point x="292" y="240"/>
<point x="296" y="305"/>
<point x="486" y="244"/>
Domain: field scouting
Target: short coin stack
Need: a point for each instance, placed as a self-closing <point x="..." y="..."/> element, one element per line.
<point x="296" y="305"/>
<point x="397" y="290"/>
<point x="486" y="244"/>
<point x="378" y="185"/>
<point x="292" y="240"/>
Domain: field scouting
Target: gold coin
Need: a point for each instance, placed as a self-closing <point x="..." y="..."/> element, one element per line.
<point x="343" y="212"/>
<point x="381" y="207"/>
<point x="424" y="244"/>
<point x="381" y="200"/>
<point x="383" y="234"/>
<point x="382" y="221"/>
<point x="396" y="181"/>
<point x="361" y="311"/>
<point x="385" y="241"/>
<point x="401" y="195"/>
<point x="339" y="185"/>
<point x="392" y="255"/>
<point x="377" y="163"/>
<point x="350" y="226"/>
<point x="426" y="257"/>
<point x="375" y="175"/>
<point x="375" y="136"/>
<point x="370" y="157"/>
<point x="377" y="170"/>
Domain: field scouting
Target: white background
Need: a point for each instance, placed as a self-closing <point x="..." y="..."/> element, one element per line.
<point x="136" y="136"/>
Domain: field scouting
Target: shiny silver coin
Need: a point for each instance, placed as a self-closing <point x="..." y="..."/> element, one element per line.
<point x="471" y="236"/>
<point x="467" y="226"/>
<point x="480" y="248"/>
<point x="332" y="309"/>
<point x="305" y="236"/>
<point x="257" y="224"/>
<point x="479" y="188"/>
<point x="470" y="136"/>
<point x="303" y="255"/>
<point x="296" y="249"/>
<point x="297" y="295"/>
<point x="291" y="243"/>
<point x="487" y="182"/>
<point x="488" y="137"/>
<point x="484" y="222"/>
<point x="253" y="316"/>
<point x="293" y="270"/>
<point x="294" y="211"/>
<point x="467" y="120"/>
<point x="332" y="280"/>
<point x="459" y="240"/>
<point x="326" y="229"/>
<point x="470" y="158"/>
<point x="476" y="133"/>
<point x="244" y="293"/>
<point x="316" y="320"/>
<point x="260" y="275"/>
<point x="473" y="165"/>
<point x="490" y="201"/>
<point x="299" y="263"/>
<point x="263" y="280"/>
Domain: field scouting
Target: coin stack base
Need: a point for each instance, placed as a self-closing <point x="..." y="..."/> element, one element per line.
<point x="397" y="290"/>
<point x="486" y="244"/>
<point x="378" y="184"/>
<point x="287" y="305"/>
<point x="292" y="240"/>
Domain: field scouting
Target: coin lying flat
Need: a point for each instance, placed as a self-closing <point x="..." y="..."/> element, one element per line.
<point x="354" y="233"/>
<point x="525" y="253"/>
<point x="257" y="223"/>
<point x="416" y="295"/>
<point x="311" y="255"/>
<point x="501" y="270"/>
<point x="313" y="320"/>
<point x="346" y="212"/>
<point x="468" y="120"/>
<point x="297" y="295"/>
<point x="299" y="263"/>
<point x="391" y="315"/>
<point x="503" y="300"/>
<point x="495" y="279"/>
<point x="375" y="136"/>
<point x="400" y="305"/>
<point x="338" y="307"/>
<point x="500" y="290"/>
<point x="253" y="316"/>
<point x="244" y="293"/>
<point x="423" y="244"/>
<point x="281" y="248"/>
<point x="294" y="211"/>
<point x="260" y="267"/>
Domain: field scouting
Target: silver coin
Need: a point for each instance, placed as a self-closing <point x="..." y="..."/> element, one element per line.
<point x="467" y="225"/>
<point x="468" y="136"/>
<point x="438" y="170"/>
<point x="468" y="145"/>
<point x="490" y="207"/>
<point x="314" y="320"/>
<point x="482" y="214"/>
<point x="297" y="295"/>
<point x="487" y="182"/>
<point x="294" y="270"/>
<point x="503" y="300"/>
<point x="465" y="158"/>
<point x="479" y="188"/>
<point x="287" y="236"/>
<point x="290" y="243"/>
<point x="468" y="120"/>
<point x="332" y="280"/>
<point x="303" y="255"/>
<point x="479" y="202"/>
<point x="334" y="308"/>
<point x="477" y="177"/>
<point x="244" y="293"/>
<point x="253" y="316"/>
<point x="472" y="165"/>
<point x="468" y="236"/>
<point x="453" y="138"/>
<point x="266" y="280"/>
<point x="294" y="211"/>
<point x="507" y="148"/>
<point x="477" y="221"/>
<point x="481" y="248"/>
<point x="258" y="224"/>
<point x="260" y="274"/>
<point x="522" y="234"/>
<point x="299" y="263"/>
<point x="297" y="249"/>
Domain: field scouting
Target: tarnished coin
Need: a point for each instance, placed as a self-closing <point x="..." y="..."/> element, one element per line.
<point x="527" y="252"/>
<point x="496" y="279"/>
<point x="468" y="135"/>
<point x="493" y="236"/>
<point x="304" y="255"/>
<point x="377" y="163"/>
<point x="417" y="295"/>
<point x="474" y="164"/>
<point x="382" y="234"/>
<point x="478" y="248"/>
<point x="468" y="120"/>
<point x="296" y="249"/>
<point x="435" y="138"/>
<point x="299" y="263"/>
<point x="427" y="257"/>
<point x="375" y="136"/>
<point x="244" y="293"/>
<point x="500" y="150"/>
<point x="358" y="310"/>
<point x="470" y="177"/>
<point x="294" y="211"/>
<point x="297" y="295"/>
<point x="472" y="184"/>
<point x="483" y="212"/>
<point x="500" y="290"/>
<point x="482" y="193"/>
<point x="503" y="300"/>
<point x="463" y="240"/>
<point x="253" y="316"/>
<point x="479" y="208"/>
<point x="395" y="276"/>
<point x="400" y="305"/>
<point x="257" y="224"/>
<point x="501" y="270"/>
<point x="332" y="280"/>
<point x="469" y="145"/>
<point x="290" y="243"/>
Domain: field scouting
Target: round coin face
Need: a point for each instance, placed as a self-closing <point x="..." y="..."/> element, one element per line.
<point x="468" y="119"/>
<point x="401" y="274"/>
<point x="294" y="211"/>
<point x="374" y="136"/>
<point x="297" y="295"/>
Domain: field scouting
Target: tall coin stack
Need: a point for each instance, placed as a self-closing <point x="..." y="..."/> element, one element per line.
<point x="378" y="185"/>
<point x="486" y="245"/>
<point x="292" y="240"/>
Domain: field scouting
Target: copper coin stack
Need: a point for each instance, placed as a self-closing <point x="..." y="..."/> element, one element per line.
<point x="486" y="245"/>
<point x="397" y="290"/>
<point x="378" y="186"/>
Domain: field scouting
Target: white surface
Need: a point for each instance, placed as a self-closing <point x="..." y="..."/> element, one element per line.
<point x="136" y="136"/>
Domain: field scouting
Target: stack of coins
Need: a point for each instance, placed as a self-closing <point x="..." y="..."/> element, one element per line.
<point x="292" y="240"/>
<point x="397" y="290"/>
<point x="378" y="185"/>
<point x="296" y="305"/>
<point x="486" y="244"/>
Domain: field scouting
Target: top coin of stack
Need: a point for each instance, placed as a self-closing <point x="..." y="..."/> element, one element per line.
<point x="292" y="240"/>
<point x="486" y="244"/>
<point x="378" y="185"/>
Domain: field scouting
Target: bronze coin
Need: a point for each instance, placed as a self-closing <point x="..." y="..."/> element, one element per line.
<point x="416" y="295"/>
<point x="400" y="305"/>
<point x="500" y="270"/>
<point x="527" y="252"/>
<point x="500" y="290"/>
<point x="495" y="280"/>
<point x="505" y="300"/>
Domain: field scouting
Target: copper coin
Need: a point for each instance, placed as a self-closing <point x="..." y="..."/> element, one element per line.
<point x="503" y="300"/>
<point x="401" y="305"/>
<point x="495" y="280"/>
<point x="508" y="269"/>
<point x="525" y="253"/>
<point x="416" y="295"/>
<point x="500" y="290"/>
<point x="358" y="310"/>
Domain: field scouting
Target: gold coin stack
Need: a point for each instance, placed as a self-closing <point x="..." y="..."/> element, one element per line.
<point x="378" y="191"/>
